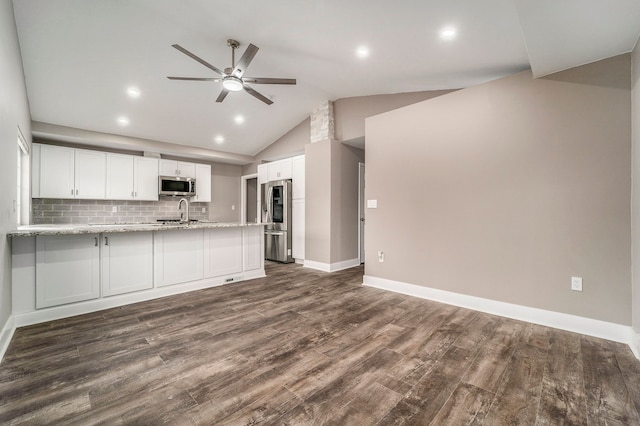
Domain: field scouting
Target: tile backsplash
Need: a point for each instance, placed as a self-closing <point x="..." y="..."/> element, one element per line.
<point x="62" y="211"/>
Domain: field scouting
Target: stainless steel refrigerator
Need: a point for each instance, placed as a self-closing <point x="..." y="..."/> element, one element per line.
<point x="276" y="211"/>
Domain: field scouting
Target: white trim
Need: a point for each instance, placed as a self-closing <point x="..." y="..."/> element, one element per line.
<point x="361" y="209"/>
<point x="22" y="143"/>
<point x="331" y="267"/>
<point x="6" y="335"/>
<point x="79" y="308"/>
<point x="243" y="196"/>
<point x="592" y="327"/>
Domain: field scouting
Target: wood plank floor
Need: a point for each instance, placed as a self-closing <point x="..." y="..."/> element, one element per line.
<point x="303" y="347"/>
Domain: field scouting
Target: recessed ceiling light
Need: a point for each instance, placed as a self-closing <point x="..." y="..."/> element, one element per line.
<point x="362" y="52"/>
<point x="239" y="119"/>
<point x="448" y="33"/>
<point x="123" y="121"/>
<point x="219" y="139"/>
<point x="133" y="92"/>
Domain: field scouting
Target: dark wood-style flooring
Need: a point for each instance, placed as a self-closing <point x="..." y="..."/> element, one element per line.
<point x="303" y="347"/>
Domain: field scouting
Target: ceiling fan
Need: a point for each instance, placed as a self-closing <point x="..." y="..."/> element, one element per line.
<point x="232" y="78"/>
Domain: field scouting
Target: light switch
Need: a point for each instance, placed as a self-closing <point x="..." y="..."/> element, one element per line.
<point x="372" y="204"/>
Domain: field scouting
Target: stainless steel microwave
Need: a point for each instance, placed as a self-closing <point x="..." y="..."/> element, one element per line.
<point x="176" y="186"/>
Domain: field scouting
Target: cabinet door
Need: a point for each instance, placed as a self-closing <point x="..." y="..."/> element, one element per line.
<point x="145" y="179"/>
<point x="90" y="174"/>
<point x="298" y="177"/>
<point x="186" y="169"/>
<point x="297" y="229"/>
<point x="177" y="256"/>
<point x="57" y="172"/>
<point x="253" y="256"/>
<point x="67" y="269"/>
<point x="223" y="251"/>
<point x="168" y="168"/>
<point x="263" y="174"/>
<point x="203" y="183"/>
<point x="119" y="177"/>
<point x="280" y="170"/>
<point x="127" y="262"/>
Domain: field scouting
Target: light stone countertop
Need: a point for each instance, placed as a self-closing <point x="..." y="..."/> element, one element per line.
<point x="34" y="230"/>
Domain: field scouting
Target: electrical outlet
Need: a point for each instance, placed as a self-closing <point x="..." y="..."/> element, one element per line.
<point x="114" y="209"/>
<point x="380" y="256"/>
<point x="204" y="210"/>
<point x="233" y="207"/>
<point x="576" y="283"/>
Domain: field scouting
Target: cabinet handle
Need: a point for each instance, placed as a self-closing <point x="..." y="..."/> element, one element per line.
<point x="135" y="194"/>
<point x="106" y="241"/>
<point x="76" y="192"/>
<point x="132" y="193"/>
<point x="72" y="192"/>
<point x="96" y="241"/>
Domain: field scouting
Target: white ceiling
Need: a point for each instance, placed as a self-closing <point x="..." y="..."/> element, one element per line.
<point x="80" y="56"/>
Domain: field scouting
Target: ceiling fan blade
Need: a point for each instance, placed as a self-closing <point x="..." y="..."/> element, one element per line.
<point x="245" y="60"/>
<point x="192" y="56"/>
<point x="223" y="94"/>
<point x="258" y="95"/>
<point x="260" y="80"/>
<point x="194" y="78"/>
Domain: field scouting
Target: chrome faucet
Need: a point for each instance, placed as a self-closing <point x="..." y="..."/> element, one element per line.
<point x="183" y="218"/>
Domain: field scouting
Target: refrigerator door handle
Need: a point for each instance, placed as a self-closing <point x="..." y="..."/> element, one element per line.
<point x="269" y="202"/>
<point x="273" y="233"/>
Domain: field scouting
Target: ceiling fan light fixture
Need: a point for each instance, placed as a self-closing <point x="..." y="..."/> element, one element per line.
<point x="232" y="83"/>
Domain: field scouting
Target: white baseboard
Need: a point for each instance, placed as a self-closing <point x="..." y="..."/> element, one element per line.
<point x="606" y="330"/>
<point x="331" y="267"/>
<point x="5" y="336"/>
<point x="57" y="312"/>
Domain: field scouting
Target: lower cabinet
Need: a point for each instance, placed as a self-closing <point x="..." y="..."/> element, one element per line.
<point x="298" y="228"/>
<point x="253" y="256"/>
<point x="127" y="262"/>
<point x="222" y="251"/>
<point x="67" y="269"/>
<point x="177" y="256"/>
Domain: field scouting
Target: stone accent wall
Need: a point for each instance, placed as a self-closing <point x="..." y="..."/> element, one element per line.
<point x="322" y="123"/>
<point x="58" y="211"/>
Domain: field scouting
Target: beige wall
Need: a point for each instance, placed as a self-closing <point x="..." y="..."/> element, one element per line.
<point x="635" y="224"/>
<point x="318" y="201"/>
<point x="225" y="192"/>
<point x="14" y="112"/>
<point x="350" y="113"/>
<point x="508" y="189"/>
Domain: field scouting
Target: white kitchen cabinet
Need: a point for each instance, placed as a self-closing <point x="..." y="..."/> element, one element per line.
<point x="177" y="256"/>
<point x="253" y="256"/>
<point x="263" y="174"/>
<point x="119" y="177"/>
<point x="132" y="178"/>
<point x="177" y="168"/>
<point x="71" y="173"/>
<point x="127" y="262"/>
<point x="297" y="228"/>
<point x="67" y="269"/>
<point x="298" y="183"/>
<point x="57" y="172"/>
<point x="278" y="170"/>
<point x="145" y="178"/>
<point x="90" y="174"/>
<point x="222" y="251"/>
<point x="203" y="183"/>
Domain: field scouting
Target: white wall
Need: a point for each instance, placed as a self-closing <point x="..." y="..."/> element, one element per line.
<point x="635" y="208"/>
<point x="14" y="112"/>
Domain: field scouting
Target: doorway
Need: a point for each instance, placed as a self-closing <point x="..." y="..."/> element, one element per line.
<point x="249" y="198"/>
<point x="361" y="209"/>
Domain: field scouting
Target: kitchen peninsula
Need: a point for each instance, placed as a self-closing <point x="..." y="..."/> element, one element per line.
<point x="65" y="270"/>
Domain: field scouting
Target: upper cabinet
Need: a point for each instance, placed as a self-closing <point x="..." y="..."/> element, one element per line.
<point x="71" y="173"/>
<point x="177" y="168"/>
<point x="298" y="177"/>
<point x="203" y="183"/>
<point x="278" y="170"/>
<point x="132" y="178"/>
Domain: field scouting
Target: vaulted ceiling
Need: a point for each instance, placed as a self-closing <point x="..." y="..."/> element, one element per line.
<point x="82" y="56"/>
